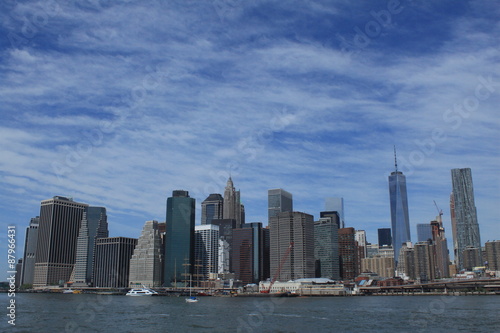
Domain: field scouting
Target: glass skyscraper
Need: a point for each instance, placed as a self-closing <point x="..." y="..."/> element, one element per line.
<point x="424" y="232"/>
<point x="400" y="221"/>
<point x="212" y="208"/>
<point x="463" y="215"/>
<point x="179" y="243"/>
<point x="278" y="201"/>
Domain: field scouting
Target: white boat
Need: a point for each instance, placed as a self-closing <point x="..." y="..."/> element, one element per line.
<point x="141" y="292"/>
<point x="68" y="291"/>
<point x="191" y="299"/>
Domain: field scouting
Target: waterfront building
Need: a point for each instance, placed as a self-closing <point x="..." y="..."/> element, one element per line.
<point x="278" y="201"/>
<point x="326" y="248"/>
<point x="406" y="266"/>
<point x="336" y="205"/>
<point x="470" y="257"/>
<point x="348" y="253"/>
<point x="424" y="261"/>
<point x="384" y="267"/>
<point x="492" y="257"/>
<point x="424" y="232"/>
<point x="225" y="249"/>
<point x="30" y="242"/>
<point x="464" y="222"/>
<point x="232" y="207"/>
<point x="212" y="208"/>
<point x="249" y="251"/>
<point x="306" y="287"/>
<point x="179" y="243"/>
<point x="60" y="221"/>
<point x="146" y="263"/>
<point x="400" y="220"/>
<point x="112" y="261"/>
<point x="384" y="237"/>
<point x="94" y="225"/>
<point x="206" y="250"/>
<point x="296" y="228"/>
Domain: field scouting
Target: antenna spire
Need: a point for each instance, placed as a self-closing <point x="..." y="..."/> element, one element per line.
<point x="395" y="159"/>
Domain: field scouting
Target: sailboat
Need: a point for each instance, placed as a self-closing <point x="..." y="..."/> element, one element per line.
<point x="191" y="299"/>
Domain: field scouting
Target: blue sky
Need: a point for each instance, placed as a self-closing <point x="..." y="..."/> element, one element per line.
<point x="117" y="103"/>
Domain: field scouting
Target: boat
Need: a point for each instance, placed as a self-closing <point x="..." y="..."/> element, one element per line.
<point x="141" y="292"/>
<point x="68" y="291"/>
<point x="191" y="299"/>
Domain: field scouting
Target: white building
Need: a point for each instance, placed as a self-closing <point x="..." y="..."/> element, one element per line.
<point x="313" y="286"/>
<point x="206" y="249"/>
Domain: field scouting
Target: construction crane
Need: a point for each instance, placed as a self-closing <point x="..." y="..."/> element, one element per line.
<point x="440" y="211"/>
<point x="283" y="260"/>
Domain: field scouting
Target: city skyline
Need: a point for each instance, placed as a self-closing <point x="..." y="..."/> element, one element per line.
<point x="117" y="105"/>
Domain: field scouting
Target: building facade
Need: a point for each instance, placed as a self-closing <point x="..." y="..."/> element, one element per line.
<point x="336" y="205"/>
<point x="60" y="221"/>
<point x="384" y="267"/>
<point x="326" y="248"/>
<point x="400" y="221"/>
<point x="384" y="236"/>
<point x="146" y="263"/>
<point x="278" y="201"/>
<point x="28" y="269"/>
<point x="94" y="225"/>
<point x="348" y="253"/>
<point x="233" y="209"/>
<point x="464" y="222"/>
<point x="424" y="232"/>
<point x="206" y="250"/>
<point x="492" y="250"/>
<point x="112" y="261"/>
<point x="179" y="243"/>
<point x="294" y="228"/>
<point x="441" y="255"/>
<point x="212" y="208"/>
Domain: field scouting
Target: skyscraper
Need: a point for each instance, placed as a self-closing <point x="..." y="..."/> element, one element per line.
<point x="249" y="251"/>
<point x="60" y="220"/>
<point x="336" y="205"/>
<point x="492" y="250"/>
<point x="212" y="208"/>
<point x="94" y="225"/>
<point x="348" y="253"/>
<point x="112" y="261"/>
<point x="384" y="237"/>
<point x="278" y="201"/>
<point x="206" y="250"/>
<point x="233" y="209"/>
<point x="30" y="251"/>
<point x="442" y="258"/>
<point x="179" y="243"/>
<point x="147" y="260"/>
<point x="296" y="228"/>
<point x="463" y="215"/>
<point x="326" y="248"/>
<point x="400" y="220"/>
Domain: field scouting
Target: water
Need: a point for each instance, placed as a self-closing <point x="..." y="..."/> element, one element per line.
<point x="103" y="313"/>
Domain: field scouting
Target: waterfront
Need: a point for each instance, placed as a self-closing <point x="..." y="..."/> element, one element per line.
<point x="105" y="313"/>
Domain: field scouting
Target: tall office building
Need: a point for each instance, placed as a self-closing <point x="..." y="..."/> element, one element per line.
<point x="225" y="249"/>
<point x="326" y="248"/>
<point x="179" y="243"/>
<point x="348" y="253"/>
<point x="30" y="242"/>
<point x="146" y="263"/>
<point x="233" y="209"/>
<point x="360" y="237"/>
<point x="278" y="201"/>
<point x="424" y="261"/>
<point x="249" y="250"/>
<point x="296" y="228"/>
<point x="424" y="232"/>
<point x="212" y="208"/>
<point x="406" y="265"/>
<point x="60" y="221"/>
<point x="463" y="215"/>
<point x="336" y="205"/>
<point x="383" y="266"/>
<point x="400" y="220"/>
<point x="94" y="225"/>
<point x="384" y="237"/>
<point x="112" y="261"/>
<point x="206" y="250"/>
<point x="492" y="250"/>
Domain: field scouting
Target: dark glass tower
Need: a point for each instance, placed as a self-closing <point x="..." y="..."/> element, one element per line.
<point x="384" y="237"/>
<point x="30" y="251"/>
<point x="212" y="208"/>
<point x="179" y="243"/>
<point x="463" y="215"/>
<point x="400" y="221"/>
